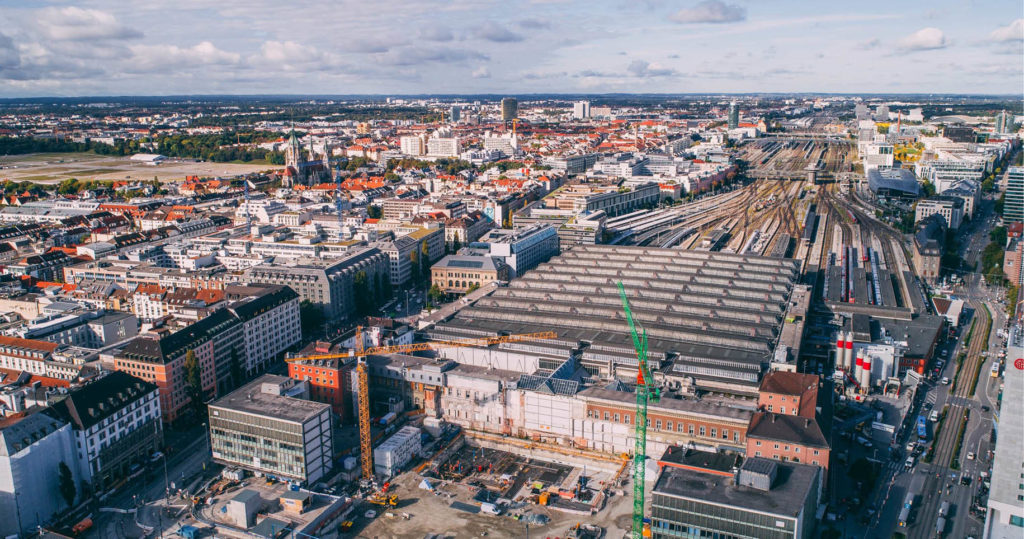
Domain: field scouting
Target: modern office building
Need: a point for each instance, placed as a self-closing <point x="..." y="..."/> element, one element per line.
<point x="734" y="115"/>
<point x="700" y="494"/>
<point x="521" y="249"/>
<point x="950" y="208"/>
<point x="326" y="283"/>
<point x="31" y="450"/>
<point x="269" y="426"/>
<point x="116" y="425"/>
<point x="1013" y="211"/>
<point x="1005" y="516"/>
<point x="581" y="110"/>
<point x="509" y="109"/>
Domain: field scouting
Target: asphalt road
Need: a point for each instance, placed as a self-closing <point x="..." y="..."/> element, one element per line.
<point x="147" y="497"/>
<point x="934" y="481"/>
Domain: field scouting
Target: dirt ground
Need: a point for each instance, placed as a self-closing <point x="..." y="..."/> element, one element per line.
<point x="431" y="512"/>
<point x="55" y="167"/>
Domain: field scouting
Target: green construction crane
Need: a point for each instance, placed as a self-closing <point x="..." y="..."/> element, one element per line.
<point x="645" y="391"/>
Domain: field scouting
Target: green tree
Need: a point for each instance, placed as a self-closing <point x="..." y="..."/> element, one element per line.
<point x="472" y="287"/>
<point x="374" y="212"/>
<point x="456" y="244"/>
<point x="1012" y="293"/>
<point x="362" y="294"/>
<point x="435" y="293"/>
<point x="311" y="318"/>
<point x="928" y="188"/>
<point x="414" y="266"/>
<point x="424" y="261"/>
<point x="194" y="382"/>
<point x="66" y="483"/>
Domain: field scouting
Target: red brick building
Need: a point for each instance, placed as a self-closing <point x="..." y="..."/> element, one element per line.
<point x="787" y="438"/>
<point x="788" y="393"/>
<point x="330" y="380"/>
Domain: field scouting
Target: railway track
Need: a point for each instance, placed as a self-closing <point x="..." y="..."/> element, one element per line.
<point x="945" y="444"/>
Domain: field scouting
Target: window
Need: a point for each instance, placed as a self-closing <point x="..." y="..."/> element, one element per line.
<point x="1016" y="520"/>
<point x="736" y="436"/>
<point x="758" y="443"/>
<point x="689" y="429"/>
<point x="725" y="434"/>
<point x="815" y="452"/>
<point x="782" y="410"/>
<point x="627" y="418"/>
<point x="703" y="432"/>
<point x="668" y="426"/>
<point x="606" y="416"/>
<point x="714" y="433"/>
<point x="616" y="418"/>
<point x="658" y="425"/>
<point x="776" y="446"/>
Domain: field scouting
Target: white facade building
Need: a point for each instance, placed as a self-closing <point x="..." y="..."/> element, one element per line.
<point x="31" y="451"/>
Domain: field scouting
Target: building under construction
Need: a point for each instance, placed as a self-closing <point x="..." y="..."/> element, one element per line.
<point x="713" y="319"/>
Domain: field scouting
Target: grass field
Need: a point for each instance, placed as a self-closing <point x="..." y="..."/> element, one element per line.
<point x="56" y="167"/>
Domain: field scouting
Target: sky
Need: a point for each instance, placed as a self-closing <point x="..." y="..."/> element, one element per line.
<point x="337" y="47"/>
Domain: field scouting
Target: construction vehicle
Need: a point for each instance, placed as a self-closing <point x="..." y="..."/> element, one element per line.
<point x="363" y="382"/>
<point x="645" y="392"/>
<point x="384" y="500"/>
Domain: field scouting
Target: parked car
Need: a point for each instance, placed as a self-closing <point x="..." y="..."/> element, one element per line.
<point x="945" y="381"/>
<point x="970" y="456"/>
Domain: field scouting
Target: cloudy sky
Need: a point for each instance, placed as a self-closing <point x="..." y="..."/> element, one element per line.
<point x="159" y="47"/>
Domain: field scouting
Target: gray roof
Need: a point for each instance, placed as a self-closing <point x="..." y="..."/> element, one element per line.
<point x="27" y="431"/>
<point x="794" y="483"/>
<point x="787" y="428"/>
<point x="896" y="179"/>
<point x="469" y="262"/>
<point x="251" y="399"/>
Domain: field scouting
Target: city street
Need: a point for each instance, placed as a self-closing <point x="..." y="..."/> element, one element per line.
<point x="936" y="481"/>
<point x="148" y="495"/>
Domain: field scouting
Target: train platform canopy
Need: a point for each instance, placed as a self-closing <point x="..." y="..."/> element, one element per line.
<point x="898" y="182"/>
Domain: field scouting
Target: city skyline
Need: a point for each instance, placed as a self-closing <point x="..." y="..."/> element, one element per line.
<point x="465" y="47"/>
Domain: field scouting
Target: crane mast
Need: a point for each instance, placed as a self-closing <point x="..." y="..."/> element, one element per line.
<point x="645" y="392"/>
<point x="365" y="443"/>
<point x="363" y="383"/>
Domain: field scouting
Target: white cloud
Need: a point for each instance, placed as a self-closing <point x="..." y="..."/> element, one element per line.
<point x="482" y="73"/>
<point x="77" y="24"/>
<point x="291" y="56"/>
<point x="436" y="33"/>
<point x="925" y="39"/>
<point x="155" y="57"/>
<point x="643" y="69"/>
<point x="492" y="31"/>
<point x="1011" y="32"/>
<point x="710" y="11"/>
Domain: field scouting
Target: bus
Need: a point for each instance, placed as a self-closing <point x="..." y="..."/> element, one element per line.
<point x="908" y="504"/>
<point x="922" y="428"/>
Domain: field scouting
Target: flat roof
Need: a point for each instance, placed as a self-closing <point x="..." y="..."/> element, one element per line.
<point x="251" y="399"/>
<point x="792" y="485"/>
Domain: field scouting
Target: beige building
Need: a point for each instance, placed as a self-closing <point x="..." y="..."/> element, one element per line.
<point x="457" y="273"/>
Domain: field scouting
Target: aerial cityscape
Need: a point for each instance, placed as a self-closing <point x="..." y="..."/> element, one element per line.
<point x="692" y="269"/>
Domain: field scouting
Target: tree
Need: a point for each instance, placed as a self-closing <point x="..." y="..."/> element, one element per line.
<point x="374" y="212"/>
<point x="362" y="295"/>
<point x="456" y="244"/>
<point x="311" y="318"/>
<point x="386" y="290"/>
<point x="193" y="382"/>
<point x="424" y="261"/>
<point x="928" y="188"/>
<point x="435" y="293"/>
<point x="472" y="287"/>
<point x="66" y="483"/>
<point x="414" y="266"/>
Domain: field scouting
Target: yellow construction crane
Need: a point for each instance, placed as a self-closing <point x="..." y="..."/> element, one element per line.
<point x="365" y="445"/>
